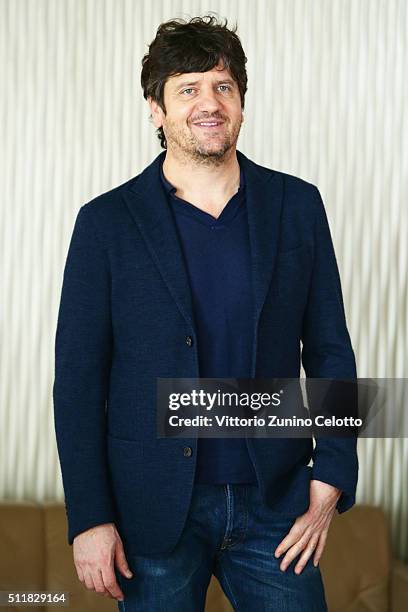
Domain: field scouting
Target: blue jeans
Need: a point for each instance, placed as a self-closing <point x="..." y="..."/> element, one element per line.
<point x="232" y="534"/>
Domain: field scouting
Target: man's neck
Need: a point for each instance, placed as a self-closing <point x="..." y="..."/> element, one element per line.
<point x="207" y="186"/>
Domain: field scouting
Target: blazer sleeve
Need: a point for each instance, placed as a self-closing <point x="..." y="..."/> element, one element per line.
<point x="82" y="367"/>
<point x="327" y="353"/>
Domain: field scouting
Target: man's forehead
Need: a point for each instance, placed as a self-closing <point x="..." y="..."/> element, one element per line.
<point x="215" y="73"/>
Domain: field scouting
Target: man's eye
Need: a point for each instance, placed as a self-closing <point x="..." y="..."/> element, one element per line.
<point x="192" y="89"/>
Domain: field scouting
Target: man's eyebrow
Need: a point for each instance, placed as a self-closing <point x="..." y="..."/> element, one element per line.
<point x="218" y="82"/>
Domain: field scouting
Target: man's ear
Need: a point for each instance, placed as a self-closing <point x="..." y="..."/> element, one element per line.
<point x="156" y="112"/>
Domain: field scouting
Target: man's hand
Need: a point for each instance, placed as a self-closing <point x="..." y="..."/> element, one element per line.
<point x="309" y="533"/>
<point x="96" y="551"/>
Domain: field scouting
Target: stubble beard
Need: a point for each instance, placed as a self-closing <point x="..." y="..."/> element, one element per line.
<point x="200" y="151"/>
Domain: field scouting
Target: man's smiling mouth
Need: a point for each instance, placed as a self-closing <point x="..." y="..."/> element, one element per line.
<point x="210" y="125"/>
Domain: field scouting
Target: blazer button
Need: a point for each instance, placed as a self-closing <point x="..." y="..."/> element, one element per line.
<point x="189" y="341"/>
<point x="187" y="451"/>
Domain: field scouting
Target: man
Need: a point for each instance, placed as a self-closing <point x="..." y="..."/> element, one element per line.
<point x="205" y="264"/>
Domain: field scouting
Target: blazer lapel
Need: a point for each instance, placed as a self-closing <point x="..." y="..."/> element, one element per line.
<point x="264" y="204"/>
<point x="147" y="203"/>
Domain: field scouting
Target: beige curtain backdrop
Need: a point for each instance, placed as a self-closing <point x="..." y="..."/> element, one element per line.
<point x="326" y="102"/>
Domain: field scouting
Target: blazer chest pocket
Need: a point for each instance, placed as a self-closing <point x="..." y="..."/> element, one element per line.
<point x="292" y="271"/>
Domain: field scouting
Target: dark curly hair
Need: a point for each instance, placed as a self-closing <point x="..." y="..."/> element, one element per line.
<point x="191" y="46"/>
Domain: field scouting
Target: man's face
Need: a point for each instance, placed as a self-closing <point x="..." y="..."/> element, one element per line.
<point x="194" y="98"/>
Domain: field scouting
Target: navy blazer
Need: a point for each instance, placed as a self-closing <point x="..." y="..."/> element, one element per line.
<point x="124" y="317"/>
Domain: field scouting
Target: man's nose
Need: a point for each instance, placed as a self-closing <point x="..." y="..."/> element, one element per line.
<point x="208" y="100"/>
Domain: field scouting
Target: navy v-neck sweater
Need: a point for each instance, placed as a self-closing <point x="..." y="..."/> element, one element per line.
<point x="217" y="257"/>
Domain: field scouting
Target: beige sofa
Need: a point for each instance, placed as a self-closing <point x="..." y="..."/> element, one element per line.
<point x="359" y="572"/>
